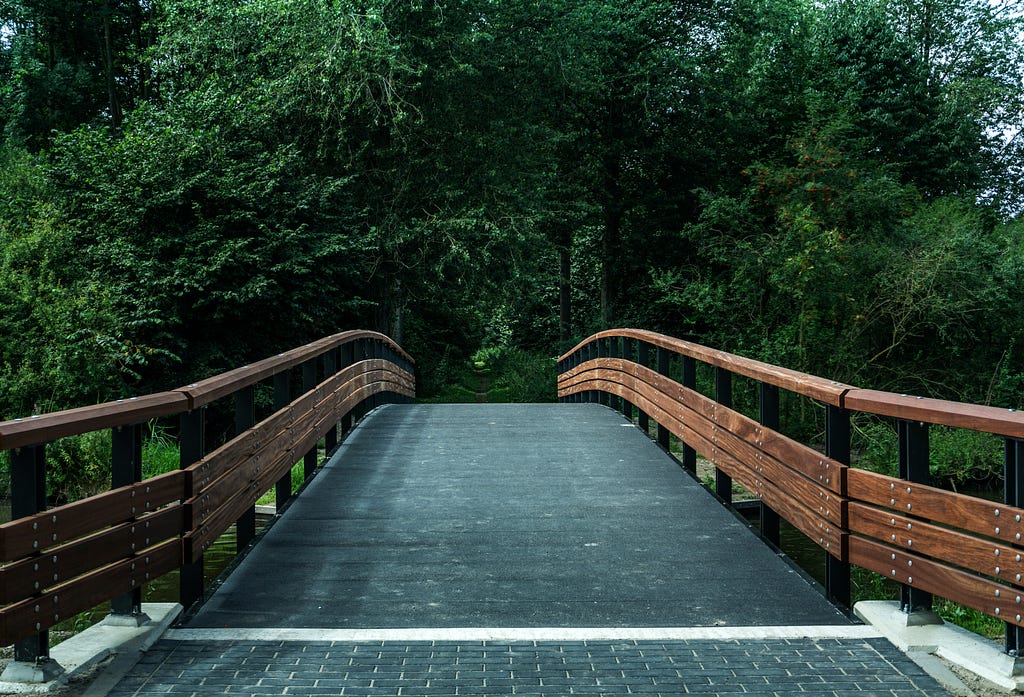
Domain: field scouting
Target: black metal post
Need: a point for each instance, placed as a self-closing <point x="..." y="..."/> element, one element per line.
<point x="643" y="357"/>
<point x="615" y="351"/>
<point x="348" y="357"/>
<point x="663" y="358"/>
<point x="309" y="381"/>
<point x="1013" y="495"/>
<point x="626" y="353"/>
<point x="769" y="412"/>
<point x="837" y="447"/>
<point x="913" y="467"/>
<point x="330" y="366"/>
<point x="592" y="353"/>
<point x="245" y="417"/>
<point x="723" y="395"/>
<point x="689" y="380"/>
<point x="282" y="398"/>
<point x="603" y="351"/>
<point x="125" y="470"/>
<point x="28" y="497"/>
<point x="191" y="447"/>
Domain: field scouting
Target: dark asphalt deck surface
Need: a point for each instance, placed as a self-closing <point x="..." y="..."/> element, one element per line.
<point x="488" y="516"/>
<point x="492" y="515"/>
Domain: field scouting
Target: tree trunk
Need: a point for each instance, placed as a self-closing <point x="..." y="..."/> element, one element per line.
<point x="565" y="285"/>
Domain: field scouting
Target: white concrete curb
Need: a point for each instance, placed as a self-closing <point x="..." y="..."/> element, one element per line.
<point x="86" y="649"/>
<point x="954" y="644"/>
<point x="528" y="634"/>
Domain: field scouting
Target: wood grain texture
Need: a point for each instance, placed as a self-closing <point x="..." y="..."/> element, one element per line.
<point x="937" y="505"/>
<point x="911" y="569"/>
<point x="41" y="612"/>
<point x="976" y="417"/>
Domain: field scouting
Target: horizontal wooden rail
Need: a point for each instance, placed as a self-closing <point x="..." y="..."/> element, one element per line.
<point x="65" y="560"/>
<point x="927" y="539"/>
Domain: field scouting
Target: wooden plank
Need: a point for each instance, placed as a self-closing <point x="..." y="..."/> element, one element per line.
<point x="827" y="391"/>
<point x="976" y="417"/>
<point x="959" y="586"/>
<point x="937" y="505"/>
<point x="33" y="615"/>
<point x="36" y="430"/>
<point x="974" y="554"/>
<point x="32" y="534"/>
<point x="57" y="565"/>
<point x="206" y="391"/>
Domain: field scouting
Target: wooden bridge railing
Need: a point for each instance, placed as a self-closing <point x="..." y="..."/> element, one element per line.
<point x="929" y="540"/>
<point x="61" y="561"/>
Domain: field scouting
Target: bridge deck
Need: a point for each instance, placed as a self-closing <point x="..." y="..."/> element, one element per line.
<point x="528" y="550"/>
<point x="508" y="516"/>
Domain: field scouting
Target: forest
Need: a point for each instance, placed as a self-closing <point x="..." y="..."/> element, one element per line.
<point x="833" y="186"/>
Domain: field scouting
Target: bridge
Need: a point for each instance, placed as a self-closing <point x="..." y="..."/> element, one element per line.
<point x="500" y="549"/>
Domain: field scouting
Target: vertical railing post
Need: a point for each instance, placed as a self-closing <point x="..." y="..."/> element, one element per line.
<point x="837" y="447"/>
<point x="723" y="395"/>
<point x="769" y="418"/>
<point x="282" y="398"/>
<point x="913" y="467"/>
<point x="689" y="370"/>
<point x="191" y="448"/>
<point x="1013" y="495"/>
<point x="643" y="357"/>
<point x="626" y="353"/>
<point x="28" y="497"/>
<point x="125" y="470"/>
<point x="592" y="353"/>
<point x="330" y="367"/>
<point x="603" y="350"/>
<point x="245" y="418"/>
<point x="309" y="381"/>
<point x="615" y="351"/>
<point x="664" y="362"/>
<point x="348" y="357"/>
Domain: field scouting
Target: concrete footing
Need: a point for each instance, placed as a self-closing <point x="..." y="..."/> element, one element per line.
<point x="980" y="656"/>
<point x="113" y="636"/>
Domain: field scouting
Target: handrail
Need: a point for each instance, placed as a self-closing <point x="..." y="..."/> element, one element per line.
<point x="60" y="561"/>
<point x="929" y="540"/>
<point x="43" y="428"/>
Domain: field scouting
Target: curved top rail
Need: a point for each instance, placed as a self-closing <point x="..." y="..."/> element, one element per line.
<point x="210" y="389"/>
<point x="975" y="417"/>
<point x="43" y="428"/>
<point x="827" y="391"/>
<point x="47" y="427"/>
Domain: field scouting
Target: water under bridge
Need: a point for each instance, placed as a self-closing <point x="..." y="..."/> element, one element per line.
<point x="507" y="549"/>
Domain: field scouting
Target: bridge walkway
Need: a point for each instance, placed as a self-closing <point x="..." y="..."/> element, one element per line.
<point x="514" y="549"/>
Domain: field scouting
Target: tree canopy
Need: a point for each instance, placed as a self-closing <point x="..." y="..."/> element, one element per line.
<point x="186" y="186"/>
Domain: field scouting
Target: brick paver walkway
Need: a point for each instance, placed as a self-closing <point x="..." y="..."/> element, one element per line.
<point x="835" y="667"/>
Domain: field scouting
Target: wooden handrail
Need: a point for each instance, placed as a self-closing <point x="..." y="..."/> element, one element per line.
<point x="827" y="391"/>
<point x="964" y="548"/>
<point x="43" y="428"/>
<point x="67" y="559"/>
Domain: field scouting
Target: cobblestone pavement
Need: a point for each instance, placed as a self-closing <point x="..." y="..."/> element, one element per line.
<point x="835" y="667"/>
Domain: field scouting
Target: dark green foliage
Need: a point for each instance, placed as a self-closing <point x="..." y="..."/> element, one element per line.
<point x="822" y="185"/>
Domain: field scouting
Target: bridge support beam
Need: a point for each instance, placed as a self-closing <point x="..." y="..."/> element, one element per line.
<point x="32" y="662"/>
<point x="245" y="418"/>
<point x="689" y="380"/>
<point x="1013" y="495"/>
<point x="126" y="469"/>
<point x="663" y="368"/>
<point x="769" y="417"/>
<point x="913" y="467"/>
<point x="192" y="445"/>
<point x="643" y="357"/>
<point x="282" y="397"/>
<point x="723" y="395"/>
<point x="837" y="447"/>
